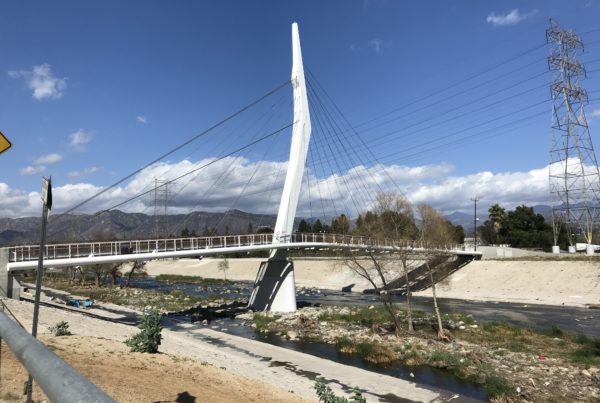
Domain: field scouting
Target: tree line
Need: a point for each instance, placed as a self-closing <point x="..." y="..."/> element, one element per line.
<point x="393" y="217"/>
<point x="520" y="228"/>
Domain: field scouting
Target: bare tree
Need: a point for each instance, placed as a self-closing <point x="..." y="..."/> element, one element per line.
<point x="376" y="270"/>
<point x="138" y="265"/>
<point x="435" y="231"/>
<point x="224" y="266"/>
<point x="115" y="271"/>
<point x="405" y="267"/>
<point x="392" y="218"/>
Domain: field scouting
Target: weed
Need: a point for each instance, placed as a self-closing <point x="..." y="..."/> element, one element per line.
<point x="450" y="360"/>
<point x="326" y="395"/>
<point x="555" y="331"/>
<point x="175" y="278"/>
<point x="60" y="329"/>
<point x="365" y="348"/>
<point x="582" y="339"/>
<point x="263" y="321"/>
<point x="491" y="326"/>
<point x="588" y="354"/>
<point x="344" y="344"/>
<point x="496" y="386"/>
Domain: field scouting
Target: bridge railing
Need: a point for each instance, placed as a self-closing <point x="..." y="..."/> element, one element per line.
<point x="71" y="250"/>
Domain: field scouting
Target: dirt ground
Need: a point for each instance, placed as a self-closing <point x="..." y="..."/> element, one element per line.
<point x="137" y="377"/>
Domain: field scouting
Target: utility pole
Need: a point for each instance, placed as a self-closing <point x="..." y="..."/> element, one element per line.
<point x="475" y="200"/>
<point x="573" y="171"/>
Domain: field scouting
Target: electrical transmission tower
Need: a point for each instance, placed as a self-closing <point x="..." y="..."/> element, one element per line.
<point x="162" y="197"/>
<point x="573" y="173"/>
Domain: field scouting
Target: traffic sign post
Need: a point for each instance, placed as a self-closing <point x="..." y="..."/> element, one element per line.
<point x="47" y="205"/>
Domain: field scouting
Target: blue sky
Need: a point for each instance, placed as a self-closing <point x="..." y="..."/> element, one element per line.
<point x="93" y="91"/>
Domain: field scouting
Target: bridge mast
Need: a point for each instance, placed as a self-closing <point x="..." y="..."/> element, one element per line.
<point x="299" y="147"/>
<point x="275" y="288"/>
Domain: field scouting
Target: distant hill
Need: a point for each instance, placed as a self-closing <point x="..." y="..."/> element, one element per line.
<point x="120" y="225"/>
<point x="117" y="224"/>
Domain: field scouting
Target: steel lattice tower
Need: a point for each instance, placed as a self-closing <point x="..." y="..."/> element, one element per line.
<point x="573" y="172"/>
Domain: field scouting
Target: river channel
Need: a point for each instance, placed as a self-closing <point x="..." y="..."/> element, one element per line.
<point x="539" y="317"/>
<point x="578" y="320"/>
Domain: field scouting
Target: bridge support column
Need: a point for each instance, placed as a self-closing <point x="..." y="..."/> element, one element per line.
<point x="9" y="286"/>
<point x="275" y="286"/>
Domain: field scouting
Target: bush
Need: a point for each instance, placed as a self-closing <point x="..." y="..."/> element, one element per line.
<point x="60" y="329"/>
<point x="148" y="340"/>
<point x="326" y="395"/>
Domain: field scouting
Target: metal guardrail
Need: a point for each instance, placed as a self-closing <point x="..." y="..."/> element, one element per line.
<point x="74" y="250"/>
<point x="59" y="381"/>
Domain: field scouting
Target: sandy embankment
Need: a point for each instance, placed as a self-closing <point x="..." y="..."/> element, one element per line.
<point x="322" y="273"/>
<point x="560" y="282"/>
<point x="563" y="282"/>
<point x="97" y="351"/>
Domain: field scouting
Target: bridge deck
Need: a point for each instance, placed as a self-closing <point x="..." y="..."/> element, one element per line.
<point x="69" y="254"/>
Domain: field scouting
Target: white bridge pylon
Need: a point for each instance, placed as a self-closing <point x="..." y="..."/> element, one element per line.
<point x="275" y="286"/>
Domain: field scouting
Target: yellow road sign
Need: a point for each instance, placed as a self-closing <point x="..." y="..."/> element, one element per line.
<point x="4" y="143"/>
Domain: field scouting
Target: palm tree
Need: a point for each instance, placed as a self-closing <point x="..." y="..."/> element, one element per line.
<point x="497" y="216"/>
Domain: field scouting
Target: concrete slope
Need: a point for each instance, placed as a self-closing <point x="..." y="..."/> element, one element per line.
<point x="572" y="283"/>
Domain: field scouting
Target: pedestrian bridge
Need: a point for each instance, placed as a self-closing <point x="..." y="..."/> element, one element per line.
<point x="25" y="257"/>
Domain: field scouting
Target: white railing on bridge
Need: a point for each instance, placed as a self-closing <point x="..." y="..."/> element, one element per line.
<point x="106" y="248"/>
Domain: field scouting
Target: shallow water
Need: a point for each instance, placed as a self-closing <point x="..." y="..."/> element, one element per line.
<point x="540" y="317"/>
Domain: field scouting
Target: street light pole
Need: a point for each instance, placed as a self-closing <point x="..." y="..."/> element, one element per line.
<point x="475" y="200"/>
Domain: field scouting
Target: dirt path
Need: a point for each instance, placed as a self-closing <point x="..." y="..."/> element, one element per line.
<point x="210" y="365"/>
<point x="97" y="350"/>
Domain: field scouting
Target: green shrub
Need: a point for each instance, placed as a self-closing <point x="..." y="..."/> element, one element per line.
<point x="326" y="395"/>
<point x="60" y="329"/>
<point x="148" y="339"/>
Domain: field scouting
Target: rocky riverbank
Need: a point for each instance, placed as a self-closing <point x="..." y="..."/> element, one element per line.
<point x="513" y="364"/>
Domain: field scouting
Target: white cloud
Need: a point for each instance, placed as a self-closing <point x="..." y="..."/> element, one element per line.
<point x="16" y="203"/>
<point x="42" y="82"/>
<point x="511" y="18"/>
<point x="142" y="119"/>
<point x="375" y="44"/>
<point x="79" y="139"/>
<point x="47" y="159"/>
<point x="595" y="113"/>
<point x="32" y="170"/>
<point x="351" y="192"/>
<point x="83" y="172"/>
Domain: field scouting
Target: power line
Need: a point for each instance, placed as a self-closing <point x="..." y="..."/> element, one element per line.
<point x="228" y="118"/>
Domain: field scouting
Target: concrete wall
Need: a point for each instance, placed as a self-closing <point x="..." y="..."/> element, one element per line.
<point x="9" y="286"/>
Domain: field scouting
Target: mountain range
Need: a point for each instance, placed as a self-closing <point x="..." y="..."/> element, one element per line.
<point x="117" y="224"/>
